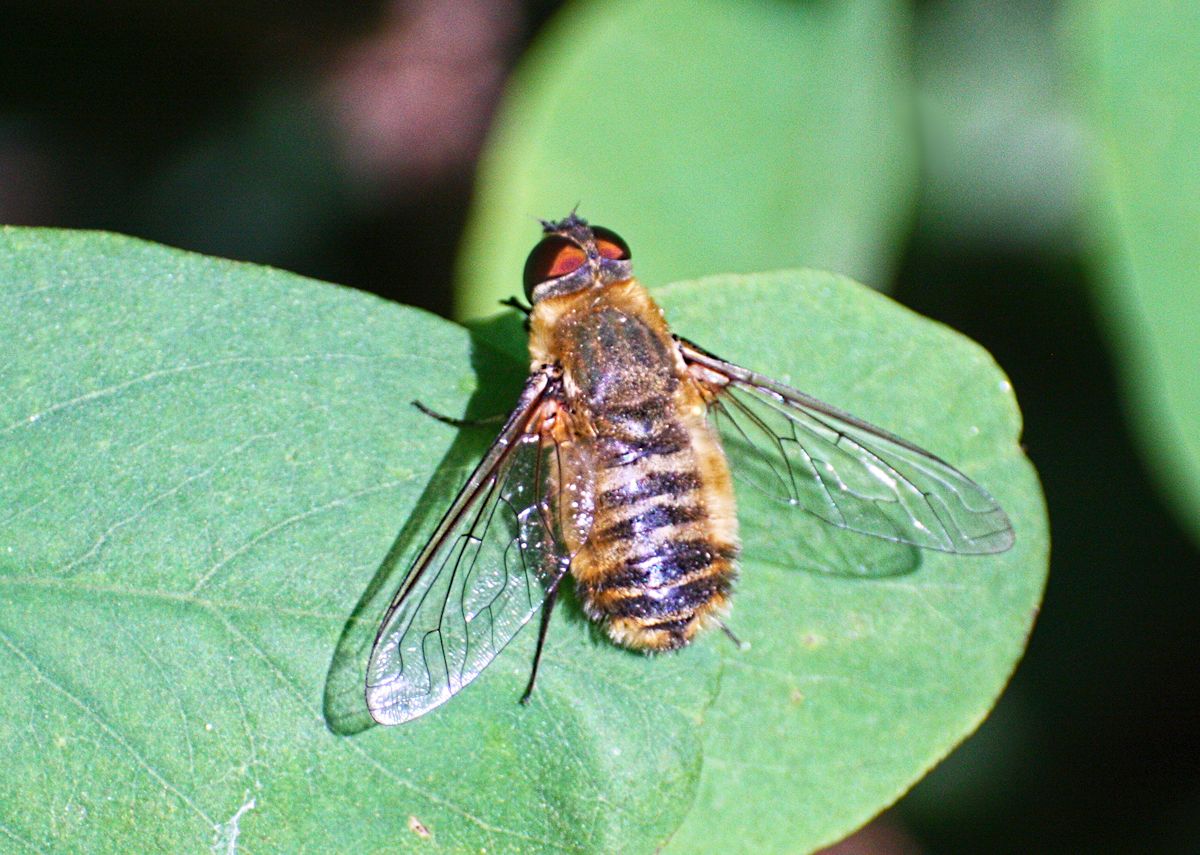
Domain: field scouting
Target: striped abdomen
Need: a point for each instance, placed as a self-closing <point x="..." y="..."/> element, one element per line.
<point x="658" y="564"/>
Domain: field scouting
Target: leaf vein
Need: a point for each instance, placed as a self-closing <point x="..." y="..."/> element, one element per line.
<point x="169" y="685"/>
<point x="441" y="801"/>
<point x="178" y="370"/>
<point x="104" y="726"/>
<point x="156" y="500"/>
<point x="339" y="502"/>
<point x="12" y="835"/>
<point x="171" y="596"/>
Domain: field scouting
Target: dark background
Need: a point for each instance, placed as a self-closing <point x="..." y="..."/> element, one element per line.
<point x="339" y="141"/>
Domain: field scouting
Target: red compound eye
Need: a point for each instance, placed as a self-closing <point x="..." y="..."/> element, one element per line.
<point x="554" y="256"/>
<point x="610" y="244"/>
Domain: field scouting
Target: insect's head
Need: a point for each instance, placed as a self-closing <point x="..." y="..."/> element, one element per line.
<point x="573" y="256"/>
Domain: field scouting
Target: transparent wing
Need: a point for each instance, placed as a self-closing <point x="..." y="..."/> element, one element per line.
<point x="851" y="474"/>
<point x="493" y="559"/>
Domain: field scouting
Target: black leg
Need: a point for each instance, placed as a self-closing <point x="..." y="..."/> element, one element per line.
<point x="547" y="608"/>
<point x="514" y="303"/>
<point x="450" y="420"/>
<point x="737" y="641"/>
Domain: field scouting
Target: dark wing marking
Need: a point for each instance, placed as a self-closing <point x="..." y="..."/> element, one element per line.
<point x="493" y="559"/>
<point x="845" y="471"/>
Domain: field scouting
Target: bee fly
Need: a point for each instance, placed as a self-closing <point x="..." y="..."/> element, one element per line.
<point x="611" y="468"/>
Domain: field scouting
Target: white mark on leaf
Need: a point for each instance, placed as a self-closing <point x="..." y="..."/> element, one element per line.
<point x="418" y="828"/>
<point x="227" y="832"/>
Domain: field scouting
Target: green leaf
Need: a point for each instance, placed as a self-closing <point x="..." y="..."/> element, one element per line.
<point x="214" y="480"/>
<point x="1138" y="75"/>
<point x="1000" y="166"/>
<point x="715" y="136"/>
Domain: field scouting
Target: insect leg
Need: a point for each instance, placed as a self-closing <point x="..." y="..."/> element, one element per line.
<point x="741" y="645"/>
<point x="514" y="303"/>
<point x="450" y="420"/>
<point x="547" y="608"/>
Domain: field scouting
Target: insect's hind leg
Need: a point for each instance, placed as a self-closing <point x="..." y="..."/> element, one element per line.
<point x="450" y="420"/>
<point x="738" y="643"/>
<point x="547" y="608"/>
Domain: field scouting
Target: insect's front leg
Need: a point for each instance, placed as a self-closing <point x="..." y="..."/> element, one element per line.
<point x="451" y="420"/>
<point x="514" y="303"/>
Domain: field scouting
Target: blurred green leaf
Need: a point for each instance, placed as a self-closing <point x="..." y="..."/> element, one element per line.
<point x="1138" y="71"/>
<point x="718" y="136"/>
<point x="1000" y="147"/>
<point x="207" y="465"/>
